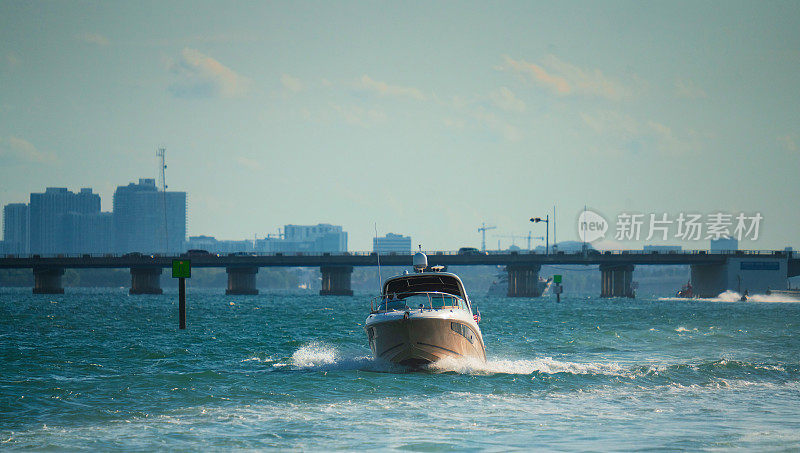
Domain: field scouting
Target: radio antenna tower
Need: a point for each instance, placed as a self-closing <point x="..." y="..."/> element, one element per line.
<point x="163" y="180"/>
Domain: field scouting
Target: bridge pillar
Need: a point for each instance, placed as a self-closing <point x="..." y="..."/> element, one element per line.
<point x="709" y="280"/>
<point x="146" y="280"/>
<point x="616" y="280"/>
<point x="241" y="280"/>
<point x="523" y="280"/>
<point x="336" y="280"/>
<point x="47" y="280"/>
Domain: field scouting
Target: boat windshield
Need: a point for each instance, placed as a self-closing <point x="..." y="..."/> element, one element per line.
<point x="429" y="300"/>
<point x="425" y="283"/>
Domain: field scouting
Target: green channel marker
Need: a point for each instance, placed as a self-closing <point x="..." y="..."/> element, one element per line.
<point x="181" y="269"/>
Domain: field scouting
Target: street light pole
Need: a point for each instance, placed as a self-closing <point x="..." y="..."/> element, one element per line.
<point x="547" y="221"/>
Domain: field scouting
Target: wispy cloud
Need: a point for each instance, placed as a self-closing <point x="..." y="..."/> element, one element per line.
<point x="248" y="163"/>
<point x="538" y="74"/>
<point x="788" y="141"/>
<point x="201" y="76"/>
<point x="507" y="100"/>
<point x="687" y="89"/>
<point x="359" y="116"/>
<point x="564" y="78"/>
<point x="17" y="149"/>
<point x="93" y="38"/>
<point x="489" y="113"/>
<point x="494" y="123"/>
<point x="234" y="37"/>
<point x="291" y="83"/>
<point x="454" y="123"/>
<point x="621" y="131"/>
<point x="12" y="60"/>
<point x="385" y="89"/>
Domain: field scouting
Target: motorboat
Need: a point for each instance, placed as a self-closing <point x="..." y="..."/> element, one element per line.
<point x="423" y="317"/>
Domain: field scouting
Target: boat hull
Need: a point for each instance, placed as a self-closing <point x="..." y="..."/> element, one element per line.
<point x="416" y="341"/>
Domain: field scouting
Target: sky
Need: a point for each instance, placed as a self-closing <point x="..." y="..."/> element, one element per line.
<point x="419" y="118"/>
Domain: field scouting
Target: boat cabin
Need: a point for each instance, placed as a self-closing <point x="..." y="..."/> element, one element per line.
<point x="434" y="290"/>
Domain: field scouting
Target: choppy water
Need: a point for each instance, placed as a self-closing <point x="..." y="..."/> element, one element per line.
<point x="104" y="370"/>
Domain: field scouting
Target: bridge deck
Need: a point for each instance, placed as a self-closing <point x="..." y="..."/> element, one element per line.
<point x="370" y="259"/>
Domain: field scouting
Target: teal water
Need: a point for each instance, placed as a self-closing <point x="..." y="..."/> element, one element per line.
<point x="104" y="370"/>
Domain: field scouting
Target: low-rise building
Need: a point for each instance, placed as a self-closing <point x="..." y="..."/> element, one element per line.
<point x="391" y="243"/>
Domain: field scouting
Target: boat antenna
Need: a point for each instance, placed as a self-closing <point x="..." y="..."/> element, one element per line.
<point x="378" y="255"/>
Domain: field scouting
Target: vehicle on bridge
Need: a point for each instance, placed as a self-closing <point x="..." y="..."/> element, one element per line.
<point x="424" y="317"/>
<point x="197" y="252"/>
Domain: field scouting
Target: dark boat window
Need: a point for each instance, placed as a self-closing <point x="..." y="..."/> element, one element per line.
<point x="424" y="283"/>
<point x="462" y="330"/>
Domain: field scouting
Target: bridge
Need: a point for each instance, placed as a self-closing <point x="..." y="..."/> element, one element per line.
<point x="711" y="273"/>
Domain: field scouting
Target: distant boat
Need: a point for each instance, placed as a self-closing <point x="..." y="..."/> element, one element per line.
<point x="424" y="317"/>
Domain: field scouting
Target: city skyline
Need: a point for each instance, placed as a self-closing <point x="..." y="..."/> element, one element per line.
<point x="426" y="120"/>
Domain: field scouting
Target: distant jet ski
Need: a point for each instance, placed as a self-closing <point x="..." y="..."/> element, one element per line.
<point x="686" y="291"/>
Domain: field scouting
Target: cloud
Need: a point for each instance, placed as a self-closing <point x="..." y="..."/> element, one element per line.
<point x="494" y="123"/>
<point x="485" y="114"/>
<point x="506" y="100"/>
<point x="789" y="141"/>
<point x="359" y="116"/>
<point x="384" y="89"/>
<point x="618" y="130"/>
<point x="488" y="113"/>
<point x="234" y="37"/>
<point x="563" y="78"/>
<point x="12" y="60"/>
<point x="454" y="123"/>
<point x="687" y="89"/>
<point x="21" y="150"/>
<point x="291" y="83"/>
<point x="201" y="76"/>
<point x="93" y="38"/>
<point x="538" y="74"/>
<point x="248" y="163"/>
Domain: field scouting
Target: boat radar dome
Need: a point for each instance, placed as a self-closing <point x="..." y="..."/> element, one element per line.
<point x="420" y="261"/>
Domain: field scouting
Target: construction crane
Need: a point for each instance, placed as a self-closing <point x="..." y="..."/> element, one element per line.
<point x="483" y="230"/>
<point x="514" y="237"/>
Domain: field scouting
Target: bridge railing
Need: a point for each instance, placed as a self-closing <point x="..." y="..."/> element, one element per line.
<point x="591" y="252"/>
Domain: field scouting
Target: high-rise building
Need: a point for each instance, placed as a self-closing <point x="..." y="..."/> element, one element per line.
<point x="15" y="228"/>
<point x="392" y="243"/>
<point x="148" y="220"/>
<point x="87" y="233"/>
<point x="47" y="213"/>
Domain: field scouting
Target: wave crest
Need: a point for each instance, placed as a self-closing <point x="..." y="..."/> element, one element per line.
<point x="544" y="365"/>
<point x="313" y="355"/>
